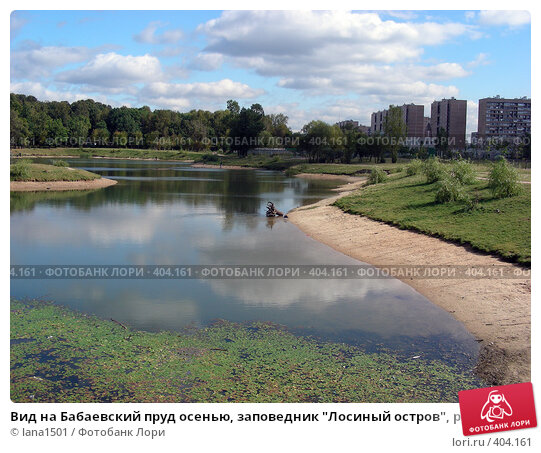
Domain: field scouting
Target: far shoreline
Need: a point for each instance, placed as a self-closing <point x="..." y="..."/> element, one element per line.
<point x="225" y="167"/>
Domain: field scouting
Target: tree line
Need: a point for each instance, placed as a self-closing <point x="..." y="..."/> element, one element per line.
<point x="87" y="123"/>
<point x="90" y="123"/>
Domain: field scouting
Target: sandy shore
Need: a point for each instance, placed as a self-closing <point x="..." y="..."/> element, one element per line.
<point x="35" y="186"/>
<point x="495" y="311"/>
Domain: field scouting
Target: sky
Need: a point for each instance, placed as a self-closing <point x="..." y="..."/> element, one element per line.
<point x="325" y="65"/>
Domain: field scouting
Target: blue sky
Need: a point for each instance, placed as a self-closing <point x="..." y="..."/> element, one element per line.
<point x="309" y="65"/>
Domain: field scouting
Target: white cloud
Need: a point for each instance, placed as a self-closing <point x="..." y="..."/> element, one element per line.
<point x="181" y="95"/>
<point x="44" y="93"/>
<point x="114" y="71"/>
<point x="136" y="78"/>
<point x="332" y="52"/>
<point x="442" y="71"/>
<point x="500" y="17"/>
<point x="399" y="80"/>
<point x="308" y="34"/>
<point x="166" y="102"/>
<point x="404" y="15"/>
<point x="220" y="89"/>
<point x="176" y="72"/>
<point x="149" y="36"/>
<point x="207" y="61"/>
<point x="32" y="61"/>
<point x="480" y="60"/>
<point x="18" y="20"/>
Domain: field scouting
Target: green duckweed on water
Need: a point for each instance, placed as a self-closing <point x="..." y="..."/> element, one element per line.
<point x="58" y="355"/>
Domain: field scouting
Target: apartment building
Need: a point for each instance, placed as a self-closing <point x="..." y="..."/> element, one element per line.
<point x="413" y="116"/>
<point x="377" y="120"/>
<point x="350" y="124"/>
<point x="504" y="119"/>
<point x="450" y="115"/>
<point x="426" y="127"/>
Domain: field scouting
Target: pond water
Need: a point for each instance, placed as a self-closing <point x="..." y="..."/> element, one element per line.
<point x="169" y="213"/>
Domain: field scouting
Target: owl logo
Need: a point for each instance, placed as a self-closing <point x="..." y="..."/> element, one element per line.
<point x="496" y="407"/>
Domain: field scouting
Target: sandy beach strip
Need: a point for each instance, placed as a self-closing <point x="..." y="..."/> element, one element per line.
<point x="495" y="311"/>
<point x="37" y="186"/>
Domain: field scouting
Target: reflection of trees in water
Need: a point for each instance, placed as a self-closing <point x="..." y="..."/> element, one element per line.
<point x="26" y="201"/>
<point x="232" y="193"/>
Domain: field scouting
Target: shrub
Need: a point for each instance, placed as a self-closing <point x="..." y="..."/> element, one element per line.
<point x="449" y="189"/>
<point x="60" y="163"/>
<point x="293" y="170"/>
<point x="209" y="158"/>
<point x="20" y="170"/>
<point x="503" y="181"/>
<point x="377" y="175"/>
<point x="463" y="172"/>
<point x="414" y="167"/>
<point x="434" y="170"/>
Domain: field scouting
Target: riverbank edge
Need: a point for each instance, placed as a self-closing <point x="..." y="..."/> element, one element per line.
<point x="49" y="156"/>
<point x="53" y="186"/>
<point x="482" y="305"/>
<point x="226" y="167"/>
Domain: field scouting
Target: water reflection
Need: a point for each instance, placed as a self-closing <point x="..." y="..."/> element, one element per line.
<point x="169" y="213"/>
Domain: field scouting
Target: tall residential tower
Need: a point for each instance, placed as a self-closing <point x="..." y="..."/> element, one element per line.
<point x="450" y="115"/>
<point x="413" y="116"/>
<point x="504" y="119"/>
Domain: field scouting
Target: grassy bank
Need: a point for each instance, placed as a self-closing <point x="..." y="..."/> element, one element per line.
<point x="499" y="226"/>
<point x="343" y="169"/>
<point x="60" y="356"/>
<point x="118" y="153"/>
<point x="255" y="161"/>
<point x="27" y="171"/>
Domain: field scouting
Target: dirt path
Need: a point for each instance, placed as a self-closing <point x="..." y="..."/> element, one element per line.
<point x="495" y="311"/>
<point x="35" y="186"/>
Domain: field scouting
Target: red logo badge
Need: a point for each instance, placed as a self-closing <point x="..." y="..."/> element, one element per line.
<point x="494" y="409"/>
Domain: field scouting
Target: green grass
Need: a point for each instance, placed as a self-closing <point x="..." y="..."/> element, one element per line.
<point x="43" y="172"/>
<point x="292" y="165"/>
<point x="483" y="171"/>
<point x="344" y="169"/>
<point x="120" y="153"/>
<point x="58" y="355"/>
<point x="52" y="152"/>
<point x="267" y="162"/>
<point x="277" y="163"/>
<point x="498" y="226"/>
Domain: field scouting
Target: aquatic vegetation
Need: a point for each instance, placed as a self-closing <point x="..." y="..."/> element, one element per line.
<point x="58" y="355"/>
